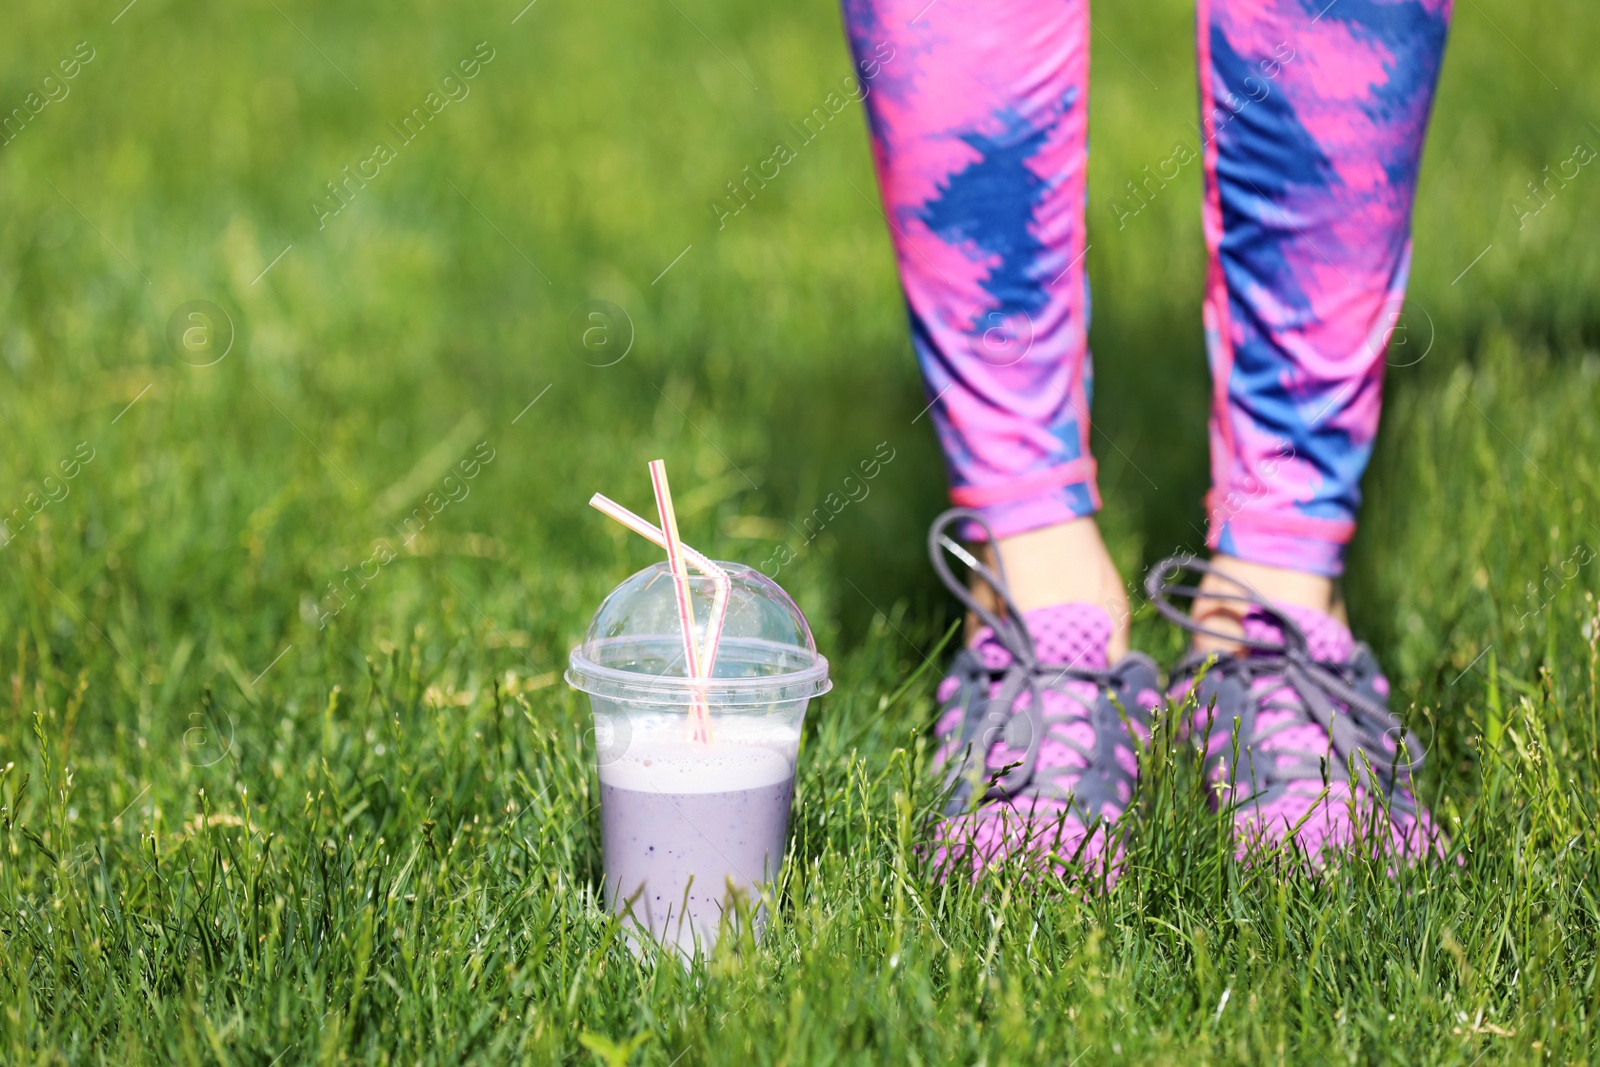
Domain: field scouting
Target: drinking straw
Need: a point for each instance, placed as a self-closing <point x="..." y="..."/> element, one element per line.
<point x="722" y="585"/>
<point x="701" y="721"/>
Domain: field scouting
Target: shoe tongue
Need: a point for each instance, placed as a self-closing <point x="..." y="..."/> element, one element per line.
<point x="1075" y="635"/>
<point x="1327" y="639"/>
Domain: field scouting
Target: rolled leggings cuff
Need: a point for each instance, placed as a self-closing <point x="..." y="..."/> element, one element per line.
<point x="1034" y="501"/>
<point x="1279" y="539"/>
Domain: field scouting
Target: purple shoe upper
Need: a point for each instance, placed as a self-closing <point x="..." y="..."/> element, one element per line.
<point x="1033" y="743"/>
<point x="1298" y="738"/>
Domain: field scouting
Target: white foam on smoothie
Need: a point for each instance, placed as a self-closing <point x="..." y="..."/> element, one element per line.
<point x="660" y="759"/>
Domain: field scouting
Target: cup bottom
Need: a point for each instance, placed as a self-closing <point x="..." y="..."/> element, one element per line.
<point x="675" y="862"/>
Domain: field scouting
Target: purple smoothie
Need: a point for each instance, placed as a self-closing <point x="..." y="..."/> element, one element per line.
<point x="684" y="828"/>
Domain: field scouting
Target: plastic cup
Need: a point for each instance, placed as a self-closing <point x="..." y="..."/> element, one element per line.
<point x="689" y="827"/>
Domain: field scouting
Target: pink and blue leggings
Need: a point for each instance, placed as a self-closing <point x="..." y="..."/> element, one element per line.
<point x="1312" y="120"/>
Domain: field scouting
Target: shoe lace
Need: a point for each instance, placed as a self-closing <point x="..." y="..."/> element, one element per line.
<point x="989" y="720"/>
<point x="1363" y="735"/>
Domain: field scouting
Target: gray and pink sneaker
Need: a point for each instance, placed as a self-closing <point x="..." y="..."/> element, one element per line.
<point x="1036" y="730"/>
<point x="1298" y="740"/>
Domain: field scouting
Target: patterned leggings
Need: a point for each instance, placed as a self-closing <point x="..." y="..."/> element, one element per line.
<point x="1313" y="115"/>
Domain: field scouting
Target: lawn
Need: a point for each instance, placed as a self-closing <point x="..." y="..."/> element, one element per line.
<point x="287" y="768"/>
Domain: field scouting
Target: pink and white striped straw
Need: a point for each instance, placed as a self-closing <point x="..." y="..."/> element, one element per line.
<point x="701" y="716"/>
<point x="722" y="585"/>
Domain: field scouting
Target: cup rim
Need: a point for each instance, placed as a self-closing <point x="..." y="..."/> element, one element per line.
<point x="635" y="687"/>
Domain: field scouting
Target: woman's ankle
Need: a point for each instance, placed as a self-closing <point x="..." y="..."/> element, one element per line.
<point x="1062" y="564"/>
<point x="1280" y="585"/>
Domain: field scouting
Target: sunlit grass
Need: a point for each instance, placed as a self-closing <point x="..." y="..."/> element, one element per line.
<point x="240" y="826"/>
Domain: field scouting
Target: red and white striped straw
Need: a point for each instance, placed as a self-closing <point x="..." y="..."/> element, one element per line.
<point x="722" y="585"/>
<point x="701" y="724"/>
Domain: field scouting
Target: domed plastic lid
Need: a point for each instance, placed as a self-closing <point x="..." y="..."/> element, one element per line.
<point x="633" y="650"/>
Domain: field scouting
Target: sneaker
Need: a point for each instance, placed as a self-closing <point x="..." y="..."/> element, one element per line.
<point x="1036" y="732"/>
<point x="1298" y="740"/>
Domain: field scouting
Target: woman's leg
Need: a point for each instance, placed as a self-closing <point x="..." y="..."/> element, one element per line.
<point x="978" y="111"/>
<point x="1313" y="117"/>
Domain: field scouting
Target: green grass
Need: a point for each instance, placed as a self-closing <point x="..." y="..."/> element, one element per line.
<point x="234" y="835"/>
